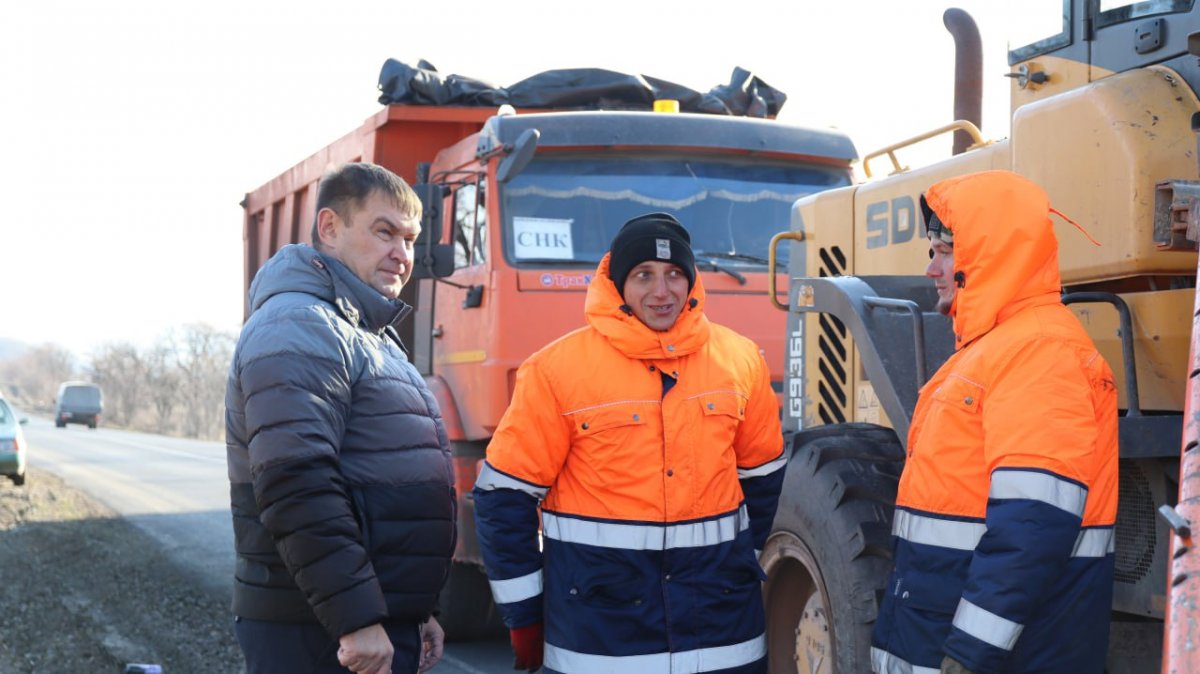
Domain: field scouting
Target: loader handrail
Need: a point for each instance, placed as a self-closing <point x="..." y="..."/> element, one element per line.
<point x="771" y="287"/>
<point x="973" y="131"/>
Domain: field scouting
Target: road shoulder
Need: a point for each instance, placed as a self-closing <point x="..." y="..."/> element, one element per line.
<point x="86" y="591"/>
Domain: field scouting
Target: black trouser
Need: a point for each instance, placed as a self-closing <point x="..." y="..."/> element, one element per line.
<point x="305" y="648"/>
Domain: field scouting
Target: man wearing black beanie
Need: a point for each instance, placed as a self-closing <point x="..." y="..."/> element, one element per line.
<point x="650" y="439"/>
<point x="659" y="249"/>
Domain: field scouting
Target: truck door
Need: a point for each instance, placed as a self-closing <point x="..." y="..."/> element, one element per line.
<point x="462" y="317"/>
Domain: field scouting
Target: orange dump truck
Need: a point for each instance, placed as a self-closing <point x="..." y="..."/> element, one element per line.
<point x="519" y="209"/>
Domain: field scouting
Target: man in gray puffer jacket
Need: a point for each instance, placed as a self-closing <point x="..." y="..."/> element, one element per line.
<point x="339" y="465"/>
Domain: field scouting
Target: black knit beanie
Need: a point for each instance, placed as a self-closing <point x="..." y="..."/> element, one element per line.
<point x="934" y="227"/>
<point x="654" y="236"/>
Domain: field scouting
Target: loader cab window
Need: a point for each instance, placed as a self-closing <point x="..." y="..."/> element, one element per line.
<point x="1117" y="11"/>
<point x="562" y="211"/>
<point x="470" y="224"/>
<point x="1039" y="27"/>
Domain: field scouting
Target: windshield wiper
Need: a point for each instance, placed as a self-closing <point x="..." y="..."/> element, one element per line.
<point x="715" y="266"/>
<point x="735" y="256"/>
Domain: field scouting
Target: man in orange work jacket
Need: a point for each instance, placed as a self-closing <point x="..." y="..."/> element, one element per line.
<point x="1005" y="510"/>
<point x="651" y="438"/>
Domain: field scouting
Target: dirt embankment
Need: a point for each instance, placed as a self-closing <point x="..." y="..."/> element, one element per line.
<point x="83" y="591"/>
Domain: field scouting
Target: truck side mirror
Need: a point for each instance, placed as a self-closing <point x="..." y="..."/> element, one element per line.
<point x="431" y="258"/>
<point x="518" y="158"/>
<point x="432" y="198"/>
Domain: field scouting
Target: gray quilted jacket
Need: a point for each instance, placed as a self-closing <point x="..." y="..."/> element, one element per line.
<point x="341" y="484"/>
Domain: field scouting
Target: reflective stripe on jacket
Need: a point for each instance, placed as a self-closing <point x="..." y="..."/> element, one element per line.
<point x="653" y="504"/>
<point x="1006" y="507"/>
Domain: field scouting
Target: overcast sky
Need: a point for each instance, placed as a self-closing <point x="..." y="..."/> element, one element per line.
<point x="129" y="131"/>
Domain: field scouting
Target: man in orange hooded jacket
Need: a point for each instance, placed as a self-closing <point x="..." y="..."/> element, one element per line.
<point x="1005" y="511"/>
<point x="651" y="439"/>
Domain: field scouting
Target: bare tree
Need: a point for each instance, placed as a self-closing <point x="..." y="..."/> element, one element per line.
<point x="118" y="369"/>
<point x="162" y="382"/>
<point x="34" y="376"/>
<point x="203" y="354"/>
<point x="175" y="385"/>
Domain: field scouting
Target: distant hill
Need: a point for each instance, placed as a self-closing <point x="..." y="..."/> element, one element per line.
<point x="12" y="348"/>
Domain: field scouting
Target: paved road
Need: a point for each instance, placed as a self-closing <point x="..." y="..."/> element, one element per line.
<point x="177" y="491"/>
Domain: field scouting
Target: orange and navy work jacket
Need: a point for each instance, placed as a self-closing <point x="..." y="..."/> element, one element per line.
<point x="1005" y="512"/>
<point x="657" y="459"/>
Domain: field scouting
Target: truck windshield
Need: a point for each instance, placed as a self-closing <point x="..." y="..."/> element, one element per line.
<point x="563" y="211"/>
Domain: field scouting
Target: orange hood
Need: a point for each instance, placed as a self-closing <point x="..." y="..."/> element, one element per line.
<point x="1004" y="248"/>
<point x="631" y="336"/>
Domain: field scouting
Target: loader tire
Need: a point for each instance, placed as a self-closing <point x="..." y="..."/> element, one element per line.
<point x="468" y="612"/>
<point x="830" y="549"/>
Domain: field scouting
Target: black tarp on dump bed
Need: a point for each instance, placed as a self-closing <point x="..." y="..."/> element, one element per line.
<point x="577" y="89"/>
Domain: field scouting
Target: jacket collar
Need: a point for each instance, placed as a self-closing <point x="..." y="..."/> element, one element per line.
<point x="300" y="268"/>
<point x="360" y="303"/>
<point x="631" y="336"/>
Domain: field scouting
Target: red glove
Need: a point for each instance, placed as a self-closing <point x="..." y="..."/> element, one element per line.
<point x="527" y="645"/>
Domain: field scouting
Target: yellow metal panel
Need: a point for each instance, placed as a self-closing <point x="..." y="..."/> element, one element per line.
<point x="1162" y="324"/>
<point x="1098" y="151"/>
<point x="866" y="405"/>
<point x="887" y="213"/>
<point x="830" y="360"/>
<point x="1063" y="75"/>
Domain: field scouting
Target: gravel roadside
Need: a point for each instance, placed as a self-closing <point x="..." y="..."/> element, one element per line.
<point x="84" y="591"/>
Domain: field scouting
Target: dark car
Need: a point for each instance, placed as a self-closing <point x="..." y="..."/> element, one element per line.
<point x="78" y="403"/>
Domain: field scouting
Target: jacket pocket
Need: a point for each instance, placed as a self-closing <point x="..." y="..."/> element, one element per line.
<point x="934" y="594"/>
<point x="613" y="592"/>
<point x="960" y="394"/>
<point x="610" y="583"/>
<point x="723" y="404"/>
<point x="590" y="422"/>
<point x="721" y="414"/>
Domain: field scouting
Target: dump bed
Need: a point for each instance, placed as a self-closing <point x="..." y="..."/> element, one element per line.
<point x="398" y="137"/>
